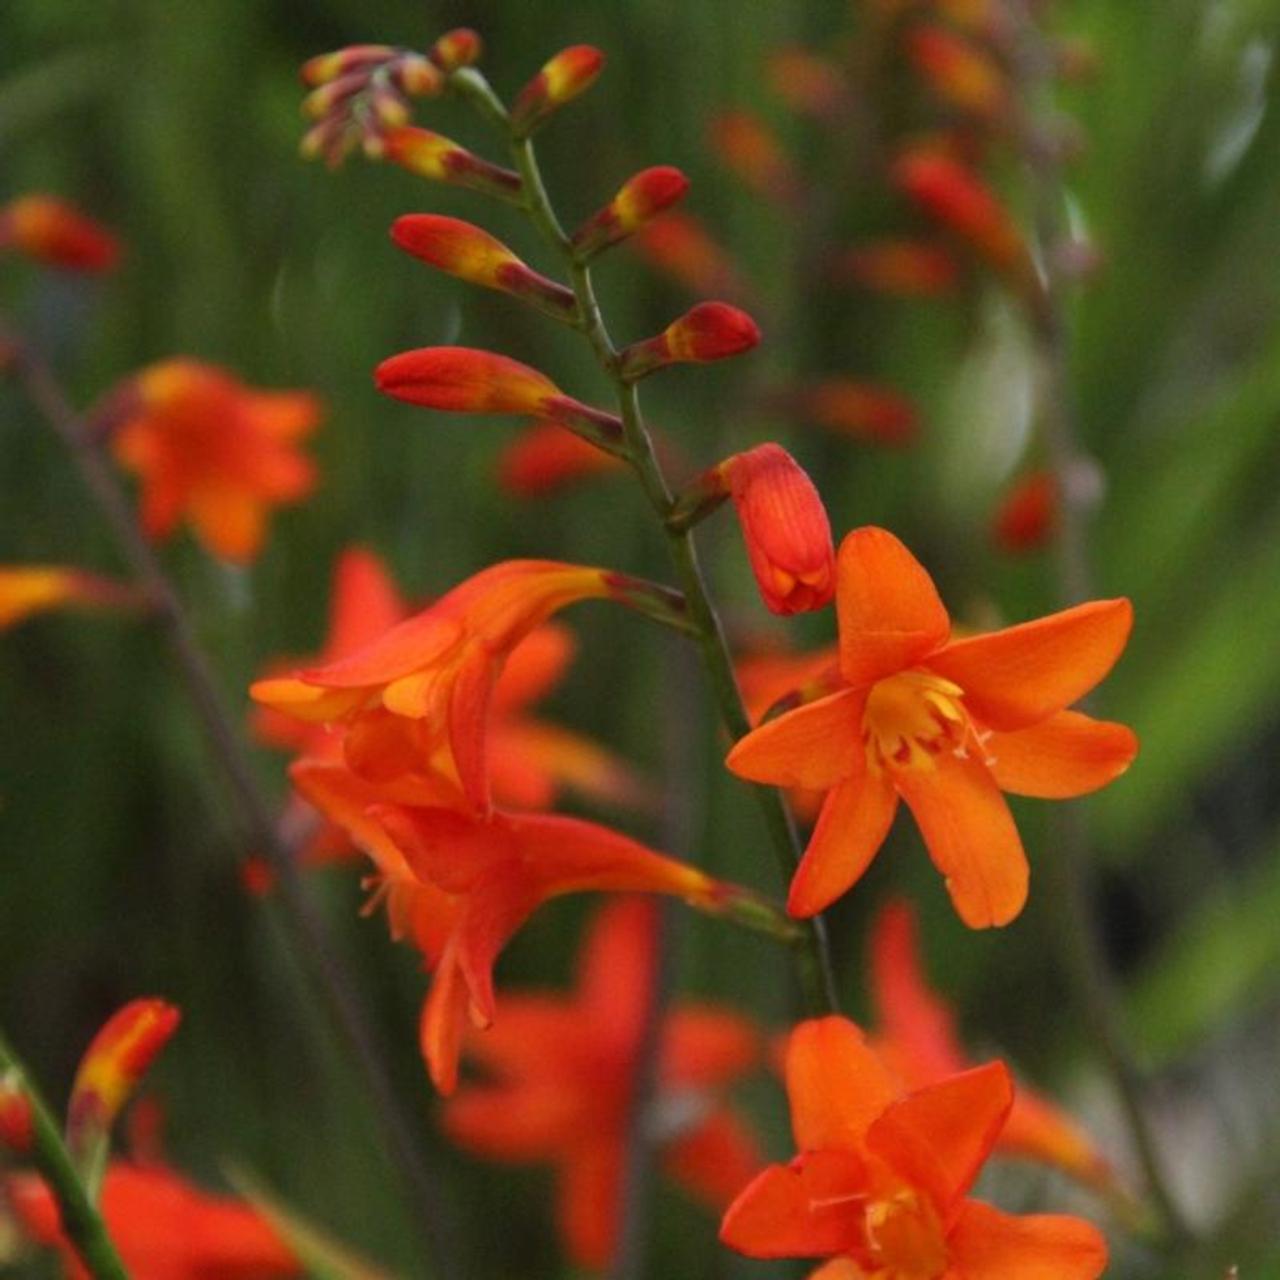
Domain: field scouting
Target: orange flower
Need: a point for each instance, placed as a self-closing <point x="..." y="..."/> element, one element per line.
<point x="1027" y="513"/>
<point x="910" y="268"/>
<point x="463" y="250"/>
<point x="639" y="200"/>
<point x="709" y="331"/>
<point x="440" y="159"/>
<point x="878" y="415"/>
<point x="571" y="72"/>
<point x="680" y="247"/>
<point x="460" y="47"/>
<point x="116" y="1060"/>
<point x="959" y="72"/>
<point x="417" y="698"/>
<point x="917" y="1040"/>
<point x="495" y="873"/>
<point x="879" y="1185"/>
<point x="163" y="1226"/>
<point x="748" y="146"/>
<point x="545" y="457"/>
<point x="206" y="445"/>
<point x="31" y="589"/>
<point x="945" y="725"/>
<point x="561" y="1071"/>
<point x="53" y="232"/>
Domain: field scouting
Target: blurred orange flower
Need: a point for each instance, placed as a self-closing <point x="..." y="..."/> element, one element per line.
<point x="880" y="1183"/>
<point x="207" y="446"/>
<point x="910" y="268"/>
<point x="680" y="247"/>
<point x="560" y="1072"/>
<point x="943" y="724"/>
<point x="1027" y="514"/>
<point x="864" y="410"/>
<point x="57" y="234"/>
<point x="545" y="457"/>
<point x="751" y="150"/>
<point x="30" y="589"/>
<point x="961" y="73"/>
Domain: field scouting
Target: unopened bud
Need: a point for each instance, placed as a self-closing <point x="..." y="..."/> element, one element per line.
<point x="357" y="57"/>
<point x="431" y="155"/>
<point x="460" y="47"/>
<point x="571" y="72"/>
<point x="638" y="202"/>
<point x="709" y="331"/>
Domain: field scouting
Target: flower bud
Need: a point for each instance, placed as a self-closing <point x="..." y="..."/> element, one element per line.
<point x="639" y="201"/>
<point x="54" y="233"/>
<point x="571" y="72"/>
<point x="460" y="249"/>
<point x="748" y="146"/>
<point x="460" y="47"/>
<point x="876" y="414"/>
<point x="1027" y="515"/>
<point x="431" y="155"/>
<point x="357" y="57"/>
<point x="17" y="1125"/>
<point x="909" y="268"/>
<point x="546" y="457"/>
<point x="417" y="76"/>
<point x="960" y="73"/>
<point x="709" y="331"/>
<point x="320" y="102"/>
<point x="26" y="590"/>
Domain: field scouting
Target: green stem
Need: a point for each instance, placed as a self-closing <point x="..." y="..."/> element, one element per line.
<point x="81" y="1221"/>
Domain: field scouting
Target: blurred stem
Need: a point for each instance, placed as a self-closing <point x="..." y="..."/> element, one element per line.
<point x="813" y="959"/>
<point x="1081" y="945"/>
<point x="303" y="923"/>
<point x="81" y="1221"/>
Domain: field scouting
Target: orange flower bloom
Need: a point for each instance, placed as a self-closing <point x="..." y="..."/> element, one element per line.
<point x="440" y="159"/>
<point x="748" y="146"/>
<point x="910" y="268"/>
<point x="958" y="71"/>
<point x="945" y="725"/>
<point x="1027" y="513"/>
<point x="116" y="1060"/>
<point x="571" y="72"/>
<point x="463" y="250"/>
<point x="709" y="331"/>
<point x="460" y="47"/>
<point x="848" y="406"/>
<point x="163" y="1226"/>
<point x="680" y="247"/>
<point x="639" y="200"/>
<point x="206" y="445"/>
<point x="561" y="1071"/>
<point x="879" y="1186"/>
<point x="496" y="872"/>
<point x="917" y="1041"/>
<point x="30" y="589"/>
<point x="53" y="232"/>
<point x="545" y="457"/>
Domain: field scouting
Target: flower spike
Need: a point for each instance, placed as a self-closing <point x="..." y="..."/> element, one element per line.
<point x="638" y="201"/>
<point x="460" y="249"/>
<point x="571" y="72"/>
<point x="51" y="231"/>
<point x="710" y="331"/>
<point x="432" y="155"/>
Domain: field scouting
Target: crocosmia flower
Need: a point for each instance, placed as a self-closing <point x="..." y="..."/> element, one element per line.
<point x="880" y="1184"/>
<point x="943" y="724"/>
<point x="546" y="457"/>
<point x="866" y="411"/>
<point x="748" y="146"/>
<point x="53" y="232"/>
<point x="210" y="448"/>
<point x="559" y="1073"/>
<point x="163" y="1227"/>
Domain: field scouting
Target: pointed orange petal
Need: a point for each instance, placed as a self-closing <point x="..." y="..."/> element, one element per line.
<point x="840" y="1269"/>
<point x="716" y="1160"/>
<point x="855" y="819"/>
<point x="230" y="521"/>
<point x="805" y="1209"/>
<point x="408" y="647"/>
<point x="816" y="745"/>
<point x="615" y="972"/>
<point x="1024" y="674"/>
<point x="1069" y="754"/>
<point x="707" y="1046"/>
<point x="363" y="604"/>
<point x="938" y="1137"/>
<point x="1038" y="1129"/>
<point x="835" y="1084"/>
<point x="469" y="722"/>
<point x="989" y="1245"/>
<point x="970" y="835"/>
<point x="889" y="610"/>
<point x="530" y="761"/>
<point x="587" y="1201"/>
<point x="444" y="1017"/>
<point x="518" y="1124"/>
<point x="495" y="909"/>
<point x="449" y="849"/>
<point x="304" y="701"/>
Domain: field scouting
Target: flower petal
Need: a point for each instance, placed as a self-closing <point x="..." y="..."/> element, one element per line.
<point x="1069" y="754"/>
<point x="816" y="745"/>
<point x="889" y="610"/>
<point x="1024" y="674"/>
<point x="970" y="835"/>
<point x="835" y="1084"/>
<point x="587" y="1202"/>
<point x="444" y="1016"/>
<point x="705" y="1046"/>
<point x="855" y="819"/>
<point x="989" y="1245"/>
<point x="615" y="971"/>
<point x="529" y="1122"/>
<point x="938" y="1137"/>
<point x="1038" y="1129"/>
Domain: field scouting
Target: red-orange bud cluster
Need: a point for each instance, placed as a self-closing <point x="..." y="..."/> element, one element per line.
<point x="56" y="234"/>
<point x="638" y="202"/>
<point x="545" y="457"/>
<point x="460" y="47"/>
<point x="432" y="155"/>
<point x="17" y="1125"/>
<point x="709" y="331"/>
<point x="463" y="250"/>
<point x="571" y="72"/>
<point x="1028" y="513"/>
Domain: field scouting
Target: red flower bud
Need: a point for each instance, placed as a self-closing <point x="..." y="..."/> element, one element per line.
<point x="784" y="526"/>
<point x="959" y="72"/>
<point x="431" y="155"/>
<point x="571" y="72"/>
<point x="709" y="331"/>
<point x="17" y="1126"/>
<point x="51" y="231"/>
<point x="465" y="251"/>
<point x="546" y="457"/>
<point x="748" y="146"/>
<point x="357" y="57"/>
<point x="460" y="47"/>
<point x="679" y="246"/>
<point x="868" y="412"/>
<point x="911" y="268"/>
<point x="1028" y="513"/>
<point x="639" y="201"/>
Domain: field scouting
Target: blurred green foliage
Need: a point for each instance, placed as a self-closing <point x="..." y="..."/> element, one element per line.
<point x="178" y="125"/>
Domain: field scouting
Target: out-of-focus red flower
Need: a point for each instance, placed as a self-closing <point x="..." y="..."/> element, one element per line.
<point x="961" y="73"/>
<point x="30" y="589"/>
<point x="807" y="82"/>
<point x="164" y="1227"/>
<point x="710" y="331"/>
<point x="881" y="1179"/>
<point x="560" y="1072"/>
<point x="461" y="47"/>
<point x="463" y="250"/>
<point x="639" y="200"/>
<point x="440" y="159"/>
<point x="751" y="150"/>
<point x="679" y="246"/>
<point x="945" y="725"/>
<point x="916" y="1039"/>
<point x="55" y="233"/>
<point x="869" y="412"/>
<point x="207" y="446"/>
<point x="1027" y="514"/>
<point x="545" y="457"/>
<point x="17" y="1125"/>
<point x="571" y="72"/>
<point x="910" y="268"/>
